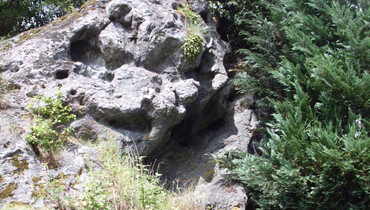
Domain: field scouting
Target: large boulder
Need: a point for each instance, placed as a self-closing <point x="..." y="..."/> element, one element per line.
<point x="121" y="67"/>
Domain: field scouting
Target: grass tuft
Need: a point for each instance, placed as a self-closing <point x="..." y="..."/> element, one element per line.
<point x="124" y="182"/>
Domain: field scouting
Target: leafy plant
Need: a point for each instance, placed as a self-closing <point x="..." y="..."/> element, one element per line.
<point x="50" y="116"/>
<point x="53" y="190"/>
<point x="95" y="196"/>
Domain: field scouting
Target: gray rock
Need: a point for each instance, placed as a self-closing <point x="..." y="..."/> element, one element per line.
<point x="20" y="167"/>
<point x="121" y="67"/>
<point x="132" y="78"/>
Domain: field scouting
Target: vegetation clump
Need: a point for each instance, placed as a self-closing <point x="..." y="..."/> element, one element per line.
<point x="191" y="17"/>
<point x="193" y="46"/>
<point x="124" y="182"/>
<point x="49" y="131"/>
<point x="307" y="65"/>
<point x="196" y="32"/>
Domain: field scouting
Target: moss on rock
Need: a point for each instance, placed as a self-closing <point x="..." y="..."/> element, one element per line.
<point x="29" y="34"/>
<point x="8" y="191"/>
<point x="36" y="179"/>
<point x="20" y="165"/>
<point x="62" y="176"/>
<point x="19" y="205"/>
<point x="86" y="4"/>
<point x="38" y="189"/>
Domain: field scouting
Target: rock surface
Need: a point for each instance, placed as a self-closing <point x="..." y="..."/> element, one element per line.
<point x="193" y="165"/>
<point x="121" y="67"/>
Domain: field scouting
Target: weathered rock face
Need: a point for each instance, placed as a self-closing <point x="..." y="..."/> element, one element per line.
<point x="121" y="66"/>
<point x="184" y="165"/>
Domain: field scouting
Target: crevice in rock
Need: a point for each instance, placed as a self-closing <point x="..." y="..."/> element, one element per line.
<point x="206" y="16"/>
<point x="136" y="123"/>
<point x="88" y="53"/>
<point x="222" y="29"/>
<point x="108" y="76"/>
<point x="232" y="61"/>
<point x="198" y="121"/>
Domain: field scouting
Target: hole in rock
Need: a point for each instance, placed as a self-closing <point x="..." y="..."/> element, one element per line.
<point x="216" y="125"/>
<point x="62" y="74"/>
<point x="78" y="50"/>
<point x="108" y="77"/>
<point x="73" y="92"/>
<point x="86" y="52"/>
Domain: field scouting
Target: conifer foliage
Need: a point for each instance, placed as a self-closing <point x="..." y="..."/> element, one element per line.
<point x="310" y="61"/>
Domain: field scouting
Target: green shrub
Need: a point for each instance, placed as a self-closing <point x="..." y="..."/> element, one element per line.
<point x="309" y="60"/>
<point x="50" y="116"/>
<point x="193" y="46"/>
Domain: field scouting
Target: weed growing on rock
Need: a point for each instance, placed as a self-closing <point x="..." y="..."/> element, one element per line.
<point x="123" y="182"/>
<point x="49" y="131"/>
<point x="191" y="17"/>
<point x="193" y="46"/>
<point x="196" y="31"/>
<point x="53" y="190"/>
